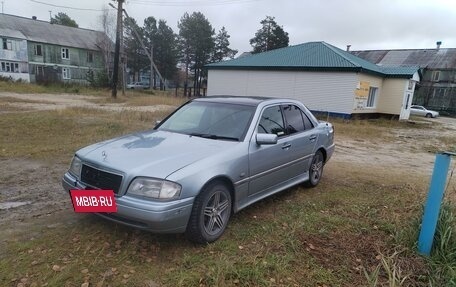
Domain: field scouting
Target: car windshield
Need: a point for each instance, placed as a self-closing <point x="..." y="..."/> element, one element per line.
<point x="210" y="120"/>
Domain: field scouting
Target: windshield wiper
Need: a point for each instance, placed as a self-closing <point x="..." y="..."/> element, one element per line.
<point x="213" y="137"/>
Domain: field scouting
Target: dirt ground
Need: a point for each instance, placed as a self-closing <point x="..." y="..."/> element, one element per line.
<point x="32" y="189"/>
<point x="43" y="102"/>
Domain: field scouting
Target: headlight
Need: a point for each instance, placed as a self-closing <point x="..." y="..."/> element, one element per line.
<point x="154" y="188"/>
<point x="75" y="167"/>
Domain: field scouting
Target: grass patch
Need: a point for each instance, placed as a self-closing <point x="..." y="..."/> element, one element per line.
<point x="5" y="107"/>
<point x="443" y="254"/>
<point x="305" y="237"/>
<point x="352" y="230"/>
<point x="18" y="100"/>
<point x="372" y="130"/>
<point x="441" y="143"/>
<point x="139" y="99"/>
<point x="61" y="88"/>
<point x="57" y="88"/>
<point x="57" y="134"/>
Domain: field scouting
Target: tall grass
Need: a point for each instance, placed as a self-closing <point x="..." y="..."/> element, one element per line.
<point x="443" y="254"/>
<point x="57" y="88"/>
<point x="57" y="134"/>
<point x="441" y="263"/>
<point x="391" y="268"/>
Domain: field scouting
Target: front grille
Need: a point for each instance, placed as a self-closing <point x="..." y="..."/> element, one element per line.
<point x="100" y="179"/>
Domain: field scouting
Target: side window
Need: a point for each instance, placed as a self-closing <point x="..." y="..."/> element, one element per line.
<point x="307" y="123"/>
<point x="271" y="122"/>
<point x="294" y="119"/>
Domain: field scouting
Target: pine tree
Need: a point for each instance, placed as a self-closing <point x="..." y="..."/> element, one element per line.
<point x="222" y="50"/>
<point x="269" y="37"/>
<point x="63" y="19"/>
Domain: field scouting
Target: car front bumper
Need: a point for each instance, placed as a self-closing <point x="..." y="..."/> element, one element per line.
<point x="159" y="217"/>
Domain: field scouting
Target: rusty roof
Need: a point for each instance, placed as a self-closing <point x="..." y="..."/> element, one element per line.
<point x="443" y="58"/>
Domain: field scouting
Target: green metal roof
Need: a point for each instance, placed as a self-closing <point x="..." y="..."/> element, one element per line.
<point x="312" y="56"/>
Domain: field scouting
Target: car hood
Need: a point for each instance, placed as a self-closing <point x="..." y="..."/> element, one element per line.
<point x="153" y="153"/>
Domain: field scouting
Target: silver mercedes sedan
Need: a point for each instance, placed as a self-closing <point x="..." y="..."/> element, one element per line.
<point x="211" y="157"/>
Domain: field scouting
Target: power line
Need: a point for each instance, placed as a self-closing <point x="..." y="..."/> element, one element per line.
<point x="190" y="3"/>
<point x="67" y="7"/>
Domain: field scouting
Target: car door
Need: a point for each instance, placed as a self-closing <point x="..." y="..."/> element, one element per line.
<point x="419" y="111"/>
<point x="301" y="137"/>
<point x="273" y="165"/>
<point x="267" y="162"/>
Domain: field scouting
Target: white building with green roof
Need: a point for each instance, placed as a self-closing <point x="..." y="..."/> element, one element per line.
<point x="325" y="78"/>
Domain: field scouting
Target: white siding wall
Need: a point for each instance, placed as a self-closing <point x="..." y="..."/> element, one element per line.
<point x="324" y="91"/>
<point x="16" y="76"/>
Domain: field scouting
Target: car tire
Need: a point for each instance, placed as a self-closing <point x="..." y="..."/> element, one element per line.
<point x="210" y="214"/>
<point x="428" y="115"/>
<point x="316" y="169"/>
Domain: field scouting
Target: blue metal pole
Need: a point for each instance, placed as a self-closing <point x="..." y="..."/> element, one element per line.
<point x="434" y="201"/>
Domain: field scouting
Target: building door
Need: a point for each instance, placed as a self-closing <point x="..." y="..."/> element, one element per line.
<point x="406" y="103"/>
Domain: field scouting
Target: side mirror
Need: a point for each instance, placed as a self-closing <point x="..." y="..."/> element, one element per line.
<point x="267" y="139"/>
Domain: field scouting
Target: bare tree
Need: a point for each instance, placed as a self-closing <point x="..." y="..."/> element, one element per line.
<point x="107" y="22"/>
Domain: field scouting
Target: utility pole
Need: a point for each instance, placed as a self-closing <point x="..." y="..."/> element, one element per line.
<point x="115" y="74"/>
<point x="122" y="55"/>
<point x="50" y="15"/>
<point x="2" y="7"/>
<point x="146" y="50"/>
<point x="152" y="74"/>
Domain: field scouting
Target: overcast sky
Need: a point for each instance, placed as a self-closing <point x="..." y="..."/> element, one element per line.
<point x="373" y="24"/>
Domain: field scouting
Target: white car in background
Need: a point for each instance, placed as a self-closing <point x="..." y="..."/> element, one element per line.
<point x="422" y="111"/>
<point x="138" y="86"/>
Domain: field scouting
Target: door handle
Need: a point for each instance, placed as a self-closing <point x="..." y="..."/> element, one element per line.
<point x="312" y="137"/>
<point x="286" y="145"/>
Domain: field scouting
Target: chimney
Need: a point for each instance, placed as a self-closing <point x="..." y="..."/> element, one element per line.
<point x="438" y="44"/>
<point x="348" y="48"/>
<point x="34" y="17"/>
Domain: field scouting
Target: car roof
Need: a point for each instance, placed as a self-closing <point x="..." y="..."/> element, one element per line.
<point x="251" y="101"/>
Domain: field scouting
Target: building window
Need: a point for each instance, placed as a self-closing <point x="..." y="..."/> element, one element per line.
<point x="7" y="44"/>
<point x="89" y="57"/>
<point x="65" y="53"/>
<point x="436" y="76"/>
<point x="39" y="71"/>
<point x="38" y="50"/>
<point x="66" y="73"/>
<point x="439" y="93"/>
<point x="9" y="67"/>
<point x="410" y="85"/>
<point x="372" y="97"/>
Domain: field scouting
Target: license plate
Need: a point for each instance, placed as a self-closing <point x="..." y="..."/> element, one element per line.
<point x="93" y="200"/>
